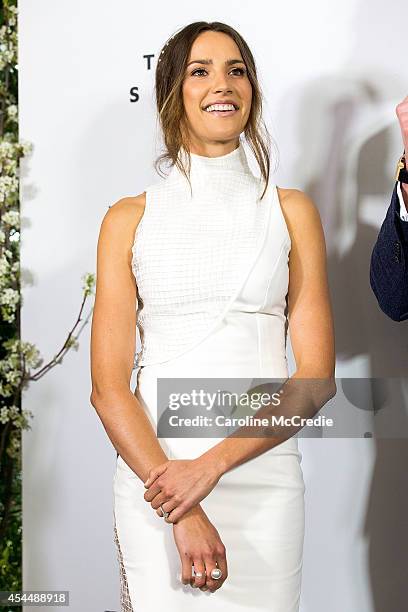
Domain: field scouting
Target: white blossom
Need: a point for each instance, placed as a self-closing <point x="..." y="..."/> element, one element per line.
<point x="9" y="297"/>
<point x="4" y="415"/>
<point x="13" y="411"/>
<point x="26" y="146"/>
<point x="11" y="217"/>
<point x="7" y="149"/>
<point x="4" y="266"/>
<point x="12" y="111"/>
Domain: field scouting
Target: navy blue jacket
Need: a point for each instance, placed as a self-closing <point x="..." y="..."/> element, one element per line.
<point x="389" y="263"/>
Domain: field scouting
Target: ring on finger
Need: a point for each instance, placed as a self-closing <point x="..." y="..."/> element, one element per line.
<point x="216" y="573"/>
<point x="197" y="573"/>
<point x="165" y="514"/>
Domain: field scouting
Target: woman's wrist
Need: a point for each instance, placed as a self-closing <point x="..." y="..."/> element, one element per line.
<point x="213" y="462"/>
<point x="194" y="512"/>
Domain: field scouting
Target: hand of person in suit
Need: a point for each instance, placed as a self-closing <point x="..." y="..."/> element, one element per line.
<point x="402" y="114"/>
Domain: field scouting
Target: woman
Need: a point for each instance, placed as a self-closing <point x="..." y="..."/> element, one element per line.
<point x="218" y="261"/>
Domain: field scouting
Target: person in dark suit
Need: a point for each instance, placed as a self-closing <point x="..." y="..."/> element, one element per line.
<point x="389" y="259"/>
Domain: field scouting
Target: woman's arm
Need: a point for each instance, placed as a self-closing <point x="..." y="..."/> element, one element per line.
<point x="113" y="341"/>
<point x="312" y="338"/>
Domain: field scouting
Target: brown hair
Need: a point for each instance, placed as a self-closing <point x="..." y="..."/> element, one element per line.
<point x="169" y="79"/>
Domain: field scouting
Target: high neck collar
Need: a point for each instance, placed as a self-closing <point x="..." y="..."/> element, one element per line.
<point x="236" y="160"/>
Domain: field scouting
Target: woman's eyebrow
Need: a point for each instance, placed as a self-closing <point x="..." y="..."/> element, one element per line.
<point x="228" y="62"/>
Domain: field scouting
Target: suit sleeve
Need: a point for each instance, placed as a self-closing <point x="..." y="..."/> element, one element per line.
<point x="388" y="265"/>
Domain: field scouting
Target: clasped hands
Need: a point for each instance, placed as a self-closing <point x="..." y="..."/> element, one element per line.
<point x="179" y="484"/>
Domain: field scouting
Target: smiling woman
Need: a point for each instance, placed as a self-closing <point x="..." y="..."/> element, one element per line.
<point x="220" y="263"/>
<point x="184" y="83"/>
<point x="205" y="88"/>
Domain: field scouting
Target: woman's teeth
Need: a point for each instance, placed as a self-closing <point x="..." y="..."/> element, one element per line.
<point x="220" y="107"/>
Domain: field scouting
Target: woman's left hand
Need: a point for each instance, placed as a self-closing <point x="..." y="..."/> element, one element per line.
<point x="180" y="484"/>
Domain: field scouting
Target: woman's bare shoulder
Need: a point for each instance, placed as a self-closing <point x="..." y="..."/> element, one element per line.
<point x="125" y="214"/>
<point x="294" y="198"/>
<point x="298" y="208"/>
<point x="129" y="207"/>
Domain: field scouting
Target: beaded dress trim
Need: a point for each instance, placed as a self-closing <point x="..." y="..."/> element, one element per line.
<point x="125" y="602"/>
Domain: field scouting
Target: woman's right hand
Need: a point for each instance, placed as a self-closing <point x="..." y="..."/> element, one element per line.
<point x="199" y="544"/>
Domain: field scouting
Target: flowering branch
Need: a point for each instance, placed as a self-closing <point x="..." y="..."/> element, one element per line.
<point x="17" y="358"/>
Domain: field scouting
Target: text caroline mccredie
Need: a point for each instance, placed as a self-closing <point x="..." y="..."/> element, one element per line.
<point x="249" y="420"/>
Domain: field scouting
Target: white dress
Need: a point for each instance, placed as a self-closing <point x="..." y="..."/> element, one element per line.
<point x="212" y="273"/>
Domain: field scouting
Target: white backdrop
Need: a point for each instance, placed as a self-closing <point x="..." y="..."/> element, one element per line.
<point x="332" y="74"/>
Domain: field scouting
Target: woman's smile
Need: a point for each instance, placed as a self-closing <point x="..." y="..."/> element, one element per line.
<point x="221" y="113"/>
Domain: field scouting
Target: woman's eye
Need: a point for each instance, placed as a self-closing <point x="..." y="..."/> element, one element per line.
<point x="242" y="70"/>
<point x="197" y="70"/>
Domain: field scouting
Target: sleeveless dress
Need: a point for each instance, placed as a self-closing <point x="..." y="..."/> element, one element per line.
<point x="211" y="267"/>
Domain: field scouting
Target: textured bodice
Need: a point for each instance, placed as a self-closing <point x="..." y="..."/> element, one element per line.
<point x="194" y="253"/>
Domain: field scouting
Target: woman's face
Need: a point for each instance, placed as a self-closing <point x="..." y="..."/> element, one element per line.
<point x="215" y="73"/>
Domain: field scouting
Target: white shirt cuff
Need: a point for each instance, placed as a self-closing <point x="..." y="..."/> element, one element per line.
<point x="403" y="211"/>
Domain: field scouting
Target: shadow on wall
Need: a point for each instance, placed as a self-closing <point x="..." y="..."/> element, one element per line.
<point x="354" y="164"/>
